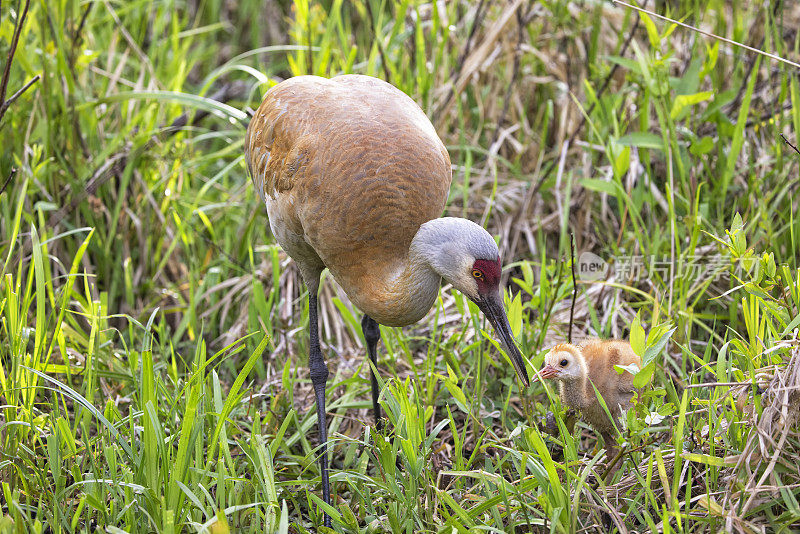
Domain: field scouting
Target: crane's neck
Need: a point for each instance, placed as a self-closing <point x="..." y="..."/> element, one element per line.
<point x="434" y="253"/>
<point x="404" y="291"/>
<point x="402" y="296"/>
<point x="414" y="289"/>
<point x="399" y="294"/>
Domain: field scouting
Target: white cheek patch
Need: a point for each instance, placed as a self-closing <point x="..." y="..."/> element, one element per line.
<point x="474" y="287"/>
<point x="466" y="282"/>
<point x="467" y="285"/>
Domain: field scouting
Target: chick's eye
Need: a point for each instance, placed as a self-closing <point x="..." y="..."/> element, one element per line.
<point x="564" y="362"/>
<point x="477" y="274"/>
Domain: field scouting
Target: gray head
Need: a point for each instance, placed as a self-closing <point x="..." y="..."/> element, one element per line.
<point x="458" y="249"/>
<point x="464" y="254"/>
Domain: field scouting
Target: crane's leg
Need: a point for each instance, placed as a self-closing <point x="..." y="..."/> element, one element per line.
<point x="319" y="378"/>
<point x="372" y="334"/>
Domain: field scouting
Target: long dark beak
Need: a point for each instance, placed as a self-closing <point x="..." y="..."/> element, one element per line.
<point x="492" y="307"/>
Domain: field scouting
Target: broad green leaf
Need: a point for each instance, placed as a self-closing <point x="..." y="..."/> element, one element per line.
<point x="642" y="378"/>
<point x="652" y="31"/>
<point x="632" y="368"/>
<point x="707" y="459"/>
<point x="622" y="159"/>
<point x="601" y="186"/>
<point x="681" y="102"/>
<point x="655" y="349"/>
<point x="642" y="140"/>
<point x="702" y="146"/>
<point x="638" y="337"/>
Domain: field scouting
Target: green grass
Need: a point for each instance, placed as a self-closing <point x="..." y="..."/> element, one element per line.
<point x="152" y="335"/>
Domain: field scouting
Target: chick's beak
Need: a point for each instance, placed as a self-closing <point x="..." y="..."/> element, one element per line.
<point x="548" y="372"/>
<point x="492" y="306"/>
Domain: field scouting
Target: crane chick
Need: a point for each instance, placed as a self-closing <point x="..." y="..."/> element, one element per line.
<point x="582" y="368"/>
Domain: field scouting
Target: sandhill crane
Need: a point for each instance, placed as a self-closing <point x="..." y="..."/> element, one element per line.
<point x="355" y="179"/>
<point x="580" y="369"/>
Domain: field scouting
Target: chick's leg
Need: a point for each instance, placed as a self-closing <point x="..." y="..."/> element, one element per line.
<point x="612" y="451"/>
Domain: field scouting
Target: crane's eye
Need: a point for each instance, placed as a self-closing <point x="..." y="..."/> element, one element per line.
<point x="564" y="362"/>
<point x="477" y="273"/>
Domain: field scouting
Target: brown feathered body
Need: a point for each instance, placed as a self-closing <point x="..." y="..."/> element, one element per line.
<point x="349" y="169"/>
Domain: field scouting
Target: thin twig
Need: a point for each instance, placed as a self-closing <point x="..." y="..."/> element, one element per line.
<point x="574" y="285"/>
<point x="8" y="180"/>
<point x="717" y="384"/>
<point x="709" y="34"/>
<point x="790" y="144"/>
<point x="79" y="29"/>
<point x="5" y="105"/>
<point x="13" y="50"/>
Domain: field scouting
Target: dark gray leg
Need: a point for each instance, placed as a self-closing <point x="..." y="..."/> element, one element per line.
<point x="372" y="334"/>
<point x="319" y="378"/>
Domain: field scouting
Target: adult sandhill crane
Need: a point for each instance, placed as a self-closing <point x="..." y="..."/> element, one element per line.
<point x="355" y="179"/>
<point x="583" y="368"/>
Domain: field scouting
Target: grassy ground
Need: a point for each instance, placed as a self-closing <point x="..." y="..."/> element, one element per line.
<point x="152" y="340"/>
